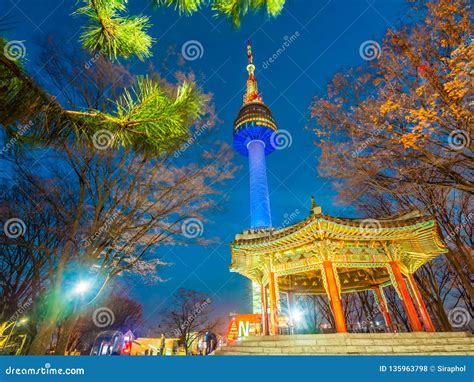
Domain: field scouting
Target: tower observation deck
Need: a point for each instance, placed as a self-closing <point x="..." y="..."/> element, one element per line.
<point x="253" y="131"/>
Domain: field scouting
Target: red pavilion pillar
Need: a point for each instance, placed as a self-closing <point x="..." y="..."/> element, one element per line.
<point x="273" y="303"/>
<point x="425" y="317"/>
<point x="406" y="298"/>
<point x="263" y="300"/>
<point x="383" y="307"/>
<point x="336" y="302"/>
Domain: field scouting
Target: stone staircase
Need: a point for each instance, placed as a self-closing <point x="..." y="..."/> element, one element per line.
<point x="419" y="343"/>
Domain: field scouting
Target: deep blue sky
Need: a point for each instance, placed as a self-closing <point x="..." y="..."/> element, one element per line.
<point x="330" y="33"/>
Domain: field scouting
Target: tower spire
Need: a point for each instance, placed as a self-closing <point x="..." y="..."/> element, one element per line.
<point x="252" y="94"/>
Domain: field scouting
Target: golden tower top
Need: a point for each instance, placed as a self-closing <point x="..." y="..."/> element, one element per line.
<point x="252" y="94"/>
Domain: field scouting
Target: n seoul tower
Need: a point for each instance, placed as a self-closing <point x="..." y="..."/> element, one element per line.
<point x="254" y="133"/>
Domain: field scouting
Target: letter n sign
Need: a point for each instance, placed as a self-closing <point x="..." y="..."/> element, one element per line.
<point x="244" y="328"/>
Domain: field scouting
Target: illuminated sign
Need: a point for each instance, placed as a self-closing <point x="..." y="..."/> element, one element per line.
<point x="244" y="328"/>
<point x="243" y="325"/>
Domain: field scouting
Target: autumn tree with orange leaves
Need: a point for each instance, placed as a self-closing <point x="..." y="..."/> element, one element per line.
<point x="396" y="134"/>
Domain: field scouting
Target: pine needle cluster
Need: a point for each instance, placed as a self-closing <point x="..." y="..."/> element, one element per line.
<point x="149" y="116"/>
<point x="110" y="31"/>
<point x="234" y="10"/>
<point x="113" y="33"/>
<point x="186" y="7"/>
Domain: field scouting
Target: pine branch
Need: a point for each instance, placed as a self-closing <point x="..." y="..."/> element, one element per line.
<point x="187" y="7"/>
<point x="113" y="34"/>
<point x="236" y="9"/>
<point x="232" y="9"/>
<point x="24" y="102"/>
<point x="148" y="117"/>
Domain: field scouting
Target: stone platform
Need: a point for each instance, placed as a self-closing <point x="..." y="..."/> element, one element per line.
<point x="418" y="343"/>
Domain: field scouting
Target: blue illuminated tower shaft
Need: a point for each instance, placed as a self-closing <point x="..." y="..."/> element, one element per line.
<point x="254" y="130"/>
<point x="260" y="216"/>
<point x="254" y="136"/>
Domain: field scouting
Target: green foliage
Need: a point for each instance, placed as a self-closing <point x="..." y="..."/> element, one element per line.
<point x="186" y="7"/>
<point x="149" y="116"/>
<point x="232" y="9"/>
<point x="113" y="34"/>
<point x="236" y="9"/>
<point x="19" y="95"/>
<point x="273" y="7"/>
<point x="12" y="91"/>
<point x="116" y="35"/>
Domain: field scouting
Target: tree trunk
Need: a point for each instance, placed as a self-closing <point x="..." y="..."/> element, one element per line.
<point x="463" y="280"/>
<point x="42" y="340"/>
<point x="67" y="329"/>
<point x="47" y="327"/>
<point x="442" y="317"/>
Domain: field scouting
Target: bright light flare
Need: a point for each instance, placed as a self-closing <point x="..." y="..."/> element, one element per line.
<point x="82" y="287"/>
<point x="297" y="315"/>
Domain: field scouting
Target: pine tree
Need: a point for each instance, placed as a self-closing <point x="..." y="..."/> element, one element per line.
<point x="112" y="32"/>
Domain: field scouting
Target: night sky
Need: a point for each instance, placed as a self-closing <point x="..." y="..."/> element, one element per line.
<point x="328" y="36"/>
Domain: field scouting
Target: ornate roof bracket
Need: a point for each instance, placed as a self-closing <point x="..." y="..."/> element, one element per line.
<point x="325" y="283"/>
